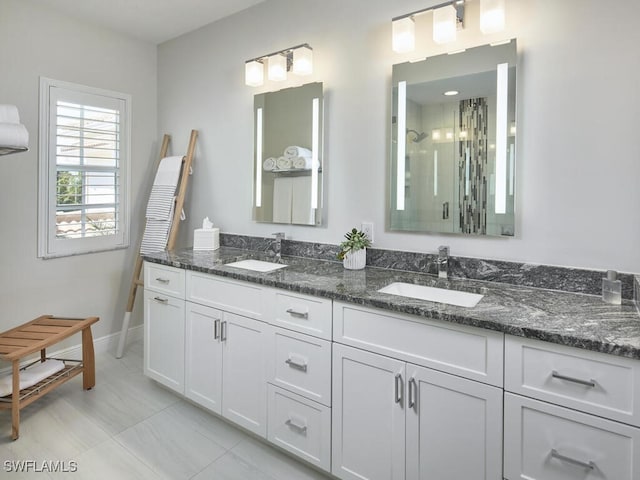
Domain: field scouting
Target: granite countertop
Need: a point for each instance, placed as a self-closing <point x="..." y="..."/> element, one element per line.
<point x="572" y="319"/>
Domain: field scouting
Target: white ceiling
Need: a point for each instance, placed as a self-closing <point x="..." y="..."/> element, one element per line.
<point x="153" y="20"/>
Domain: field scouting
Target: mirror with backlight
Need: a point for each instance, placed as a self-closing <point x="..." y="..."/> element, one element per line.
<point x="452" y="165"/>
<point x="288" y="156"/>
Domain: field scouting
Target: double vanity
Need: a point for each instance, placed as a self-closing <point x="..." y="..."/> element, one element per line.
<point x="352" y="373"/>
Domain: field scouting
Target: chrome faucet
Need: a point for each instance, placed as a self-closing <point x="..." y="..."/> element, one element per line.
<point x="443" y="261"/>
<point x="278" y="245"/>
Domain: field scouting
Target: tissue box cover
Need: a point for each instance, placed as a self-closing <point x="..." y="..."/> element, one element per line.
<point x="206" y="239"/>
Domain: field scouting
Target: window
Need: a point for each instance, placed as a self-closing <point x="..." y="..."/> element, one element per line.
<point x="84" y="165"/>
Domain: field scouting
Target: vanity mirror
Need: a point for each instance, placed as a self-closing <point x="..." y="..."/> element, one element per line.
<point x="288" y="156"/>
<point x="452" y="165"/>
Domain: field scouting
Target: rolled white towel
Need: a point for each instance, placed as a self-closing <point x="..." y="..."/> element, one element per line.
<point x="13" y="135"/>
<point x="303" y="162"/>
<point x="269" y="164"/>
<point x="9" y="114"/>
<point x="295" y="151"/>
<point x="283" y="163"/>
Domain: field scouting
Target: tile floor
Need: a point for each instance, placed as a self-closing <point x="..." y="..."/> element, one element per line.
<point x="128" y="427"/>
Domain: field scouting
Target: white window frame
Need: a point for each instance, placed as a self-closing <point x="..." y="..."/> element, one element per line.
<point x="49" y="246"/>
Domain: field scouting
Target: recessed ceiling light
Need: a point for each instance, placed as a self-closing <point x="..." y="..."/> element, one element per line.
<point x="450" y="93"/>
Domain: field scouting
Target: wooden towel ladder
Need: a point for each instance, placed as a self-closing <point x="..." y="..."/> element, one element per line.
<point x="173" y="232"/>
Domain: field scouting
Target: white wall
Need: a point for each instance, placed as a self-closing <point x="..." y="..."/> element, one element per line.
<point x="34" y="42"/>
<point x="578" y="157"/>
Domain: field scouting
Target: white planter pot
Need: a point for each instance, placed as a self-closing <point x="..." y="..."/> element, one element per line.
<point x="355" y="260"/>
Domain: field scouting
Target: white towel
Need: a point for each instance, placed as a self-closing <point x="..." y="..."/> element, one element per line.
<point x="283" y="163"/>
<point x="282" y="192"/>
<point x="303" y="162"/>
<point x="301" y="211"/>
<point x="295" y="151"/>
<point x="9" y="114"/>
<point x="13" y="135"/>
<point x="168" y="171"/>
<point x="30" y="376"/>
<point x="155" y="237"/>
<point x="269" y="164"/>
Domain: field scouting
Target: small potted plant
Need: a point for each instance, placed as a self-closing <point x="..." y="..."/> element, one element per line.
<point x="353" y="251"/>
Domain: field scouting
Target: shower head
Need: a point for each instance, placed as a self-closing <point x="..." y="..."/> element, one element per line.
<point x="416" y="137"/>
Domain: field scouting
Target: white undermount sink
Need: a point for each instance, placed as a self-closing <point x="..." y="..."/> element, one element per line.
<point x="433" y="294"/>
<point x="256" y="265"/>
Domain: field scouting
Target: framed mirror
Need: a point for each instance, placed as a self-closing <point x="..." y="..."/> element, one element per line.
<point x="453" y="143"/>
<point x="287" y="180"/>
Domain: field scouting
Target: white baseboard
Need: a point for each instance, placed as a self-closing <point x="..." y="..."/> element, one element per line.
<point x="105" y="344"/>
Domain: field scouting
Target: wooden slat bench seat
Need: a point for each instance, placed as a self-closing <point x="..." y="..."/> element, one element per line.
<point x="38" y="335"/>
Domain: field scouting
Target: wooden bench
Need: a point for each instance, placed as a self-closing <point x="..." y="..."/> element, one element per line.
<point x="38" y="335"/>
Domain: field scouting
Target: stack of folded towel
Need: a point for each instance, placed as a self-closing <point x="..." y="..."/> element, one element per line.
<point x="294" y="157"/>
<point x="13" y="135"/>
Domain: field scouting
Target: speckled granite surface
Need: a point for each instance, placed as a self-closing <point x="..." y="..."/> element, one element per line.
<point x="573" y="319"/>
<point x="515" y="273"/>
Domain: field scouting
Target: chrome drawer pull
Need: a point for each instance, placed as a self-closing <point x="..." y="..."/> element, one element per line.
<point x="163" y="280"/>
<point x="297" y="366"/>
<point x="216" y="329"/>
<point x="589" y="465"/>
<point x="587" y="383"/>
<point x="300" y="428"/>
<point x="413" y="390"/>
<point x="398" y="385"/>
<point x="295" y="313"/>
<point x="223" y="331"/>
<point x="164" y="301"/>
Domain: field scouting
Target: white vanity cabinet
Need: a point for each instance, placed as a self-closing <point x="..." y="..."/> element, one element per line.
<point x="395" y="419"/>
<point x="164" y="326"/>
<point x="570" y="413"/>
<point x="299" y="375"/>
<point x="225" y="353"/>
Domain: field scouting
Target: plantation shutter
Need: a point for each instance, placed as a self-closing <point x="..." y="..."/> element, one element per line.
<point x="86" y="201"/>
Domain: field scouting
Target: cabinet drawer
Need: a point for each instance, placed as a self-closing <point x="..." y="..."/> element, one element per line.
<point x="547" y="442"/>
<point x="605" y="385"/>
<point x="302" y="313"/>
<point x="242" y="298"/>
<point x="466" y="351"/>
<point x="300" y="426"/>
<point x="301" y="363"/>
<point x="163" y="279"/>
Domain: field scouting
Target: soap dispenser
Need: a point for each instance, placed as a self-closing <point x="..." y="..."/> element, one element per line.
<point x="612" y="288"/>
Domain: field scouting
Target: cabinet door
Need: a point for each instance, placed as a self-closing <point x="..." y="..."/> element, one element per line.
<point x="454" y="427"/>
<point x="244" y="379"/>
<point x="368" y="425"/>
<point x="203" y="369"/>
<point x="164" y="339"/>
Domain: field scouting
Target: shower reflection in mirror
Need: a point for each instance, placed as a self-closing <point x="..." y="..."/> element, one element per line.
<point x="452" y="163"/>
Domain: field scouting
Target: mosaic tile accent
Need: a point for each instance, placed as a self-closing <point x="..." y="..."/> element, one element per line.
<point x="524" y="274"/>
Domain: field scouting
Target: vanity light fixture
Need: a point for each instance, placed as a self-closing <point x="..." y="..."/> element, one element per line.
<point x="448" y="17"/>
<point x="315" y="145"/>
<point x="277" y="71"/>
<point x="491" y="16"/>
<point x="502" y="125"/>
<point x="298" y="60"/>
<point x="258" y="199"/>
